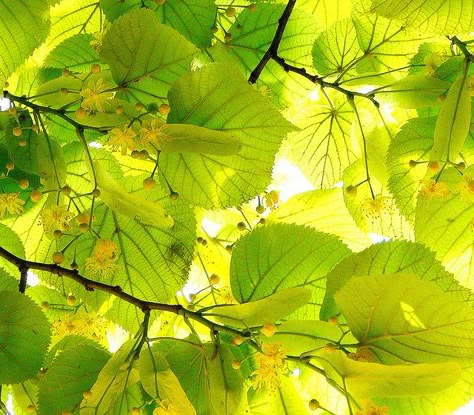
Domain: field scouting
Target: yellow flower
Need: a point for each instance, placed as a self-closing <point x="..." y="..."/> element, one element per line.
<point x="94" y="95"/>
<point x="434" y="190"/>
<point x="369" y="408"/>
<point x="466" y="188"/>
<point x="270" y="364"/>
<point x="124" y="138"/>
<point x="152" y="134"/>
<point x="84" y="324"/>
<point x="372" y="209"/>
<point x="166" y="408"/>
<point x="12" y="203"/>
<point x="56" y="218"/>
<point x="102" y="263"/>
<point x="363" y="354"/>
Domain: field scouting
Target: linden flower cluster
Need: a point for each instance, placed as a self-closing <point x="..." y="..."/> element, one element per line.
<point x="123" y="138"/>
<point x="95" y="95"/>
<point x="56" y="218"/>
<point x="103" y="262"/>
<point x="270" y="364"/>
<point x="369" y="408"/>
<point x="84" y="324"/>
<point x="431" y="189"/>
<point x="373" y="209"/>
<point x="11" y="203"/>
<point x="152" y="134"/>
<point x="363" y="354"/>
<point x="466" y="188"/>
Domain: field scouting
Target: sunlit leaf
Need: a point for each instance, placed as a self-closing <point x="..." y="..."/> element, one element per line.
<point x="402" y="318"/>
<point x="25" y="334"/>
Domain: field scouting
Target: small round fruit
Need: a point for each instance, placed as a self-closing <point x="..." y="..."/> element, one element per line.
<point x="214" y="279"/>
<point x="149" y="183"/>
<point x="30" y="408"/>
<point x="333" y="320"/>
<point x="268" y="329"/>
<point x="66" y="190"/>
<point x="96" y="68"/>
<point x="191" y="307"/>
<point x="119" y="110"/>
<point x="135" y="411"/>
<point x="228" y="248"/>
<point x="64" y="91"/>
<point x="139" y="106"/>
<point x="241" y="226"/>
<point x="87" y="394"/>
<point x="236" y="364"/>
<point x="330" y="348"/>
<point x="35" y="128"/>
<point x="135" y="154"/>
<point x="22" y="143"/>
<point x="351" y="190"/>
<point x="5" y="85"/>
<point x="228" y="37"/>
<point x="237" y="340"/>
<point x="260" y="209"/>
<point x="412" y="163"/>
<point x="45" y="305"/>
<point x="36" y="195"/>
<point x="96" y="193"/>
<point x="81" y="113"/>
<point x="24" y="183"/>
<point x="164" y="109"/>
<point x="214" y="29"/>
<point x="313" y="404"/>
<point x="10" y="165"/>
<point x="12" y="111"/>
<point x="461" y="166"/>
<point x="83" y="227"/>
<point x="74" y="265"/>
<point x="66" y="72"/>
<point x="17" y="131"/>
<point x="174" y="196"/>
<point x="143" y="155"/>
<point x="192" y="297"/>
<point x="434" y="166"/>
<point x="58" y="257"/>
<point x="252" y="7"/>
<point x="57" y="234"/>
<point x="71" y="300"/>
<point x="230" y="12"/>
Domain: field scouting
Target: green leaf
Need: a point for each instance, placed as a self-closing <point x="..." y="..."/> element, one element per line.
<point x="391" y="257"/>
<point x="452" y="124"/>
<point x="127" y="204"/>
<point x="323" y="147"/>
<point x="24" y="394"/>
<point x="24" y="335"/>
<point x="71" y="373"/>
<point x="444" y="222"/>
<point x="74" y="53"/>
<point x="439" y="16"/>
<point x="327" y="12"/>
<point x="145" y="56"/>
<point x="280" y="256"/>
<point x="325" y="211"/>
<point x="114" y="378"/>
<point x="222" y="100"/>
<point x="412" y="142"/>
<point x="267" y="310"/>
<point x="182" y="138"/>
<point x="402" y="318"/>
<point x="17" y="43"/>
<point x="160" y="382"/>
<point x="7" y="281"/>
<point x="330" y="57"/>
<point x="372" y="379"/>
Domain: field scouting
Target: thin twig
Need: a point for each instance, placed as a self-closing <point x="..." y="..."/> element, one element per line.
<point x="273" y="49"/>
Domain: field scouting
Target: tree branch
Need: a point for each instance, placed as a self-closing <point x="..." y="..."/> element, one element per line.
<point x="273" y="49"/>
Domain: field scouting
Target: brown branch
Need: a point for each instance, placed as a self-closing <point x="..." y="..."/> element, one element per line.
<point x="116" y="290"/>
<point x="273" y="49"/>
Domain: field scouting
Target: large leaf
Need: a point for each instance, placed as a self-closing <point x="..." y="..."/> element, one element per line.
<point x="439" y="16"/>
<point x="266" y="310"/>
<point x="281" y="256"/>
<point x="391" y="257"/>
<point x="24" y="336"/>
<point x="144" y="55"/>
<point x="402" y="318"/>
<point x="217" y="97"/>
<point x="16" y="43"/>
<point x="71" y="373"/>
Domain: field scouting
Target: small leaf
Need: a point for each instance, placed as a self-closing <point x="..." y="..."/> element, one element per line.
<point x="372" y="379"/>
<point x="452" y="124"/>
<point x="132" y="206"/>
<point x="24" y="336"/>
<point x="182" y="138"/>
<point x="267" y="310"/>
